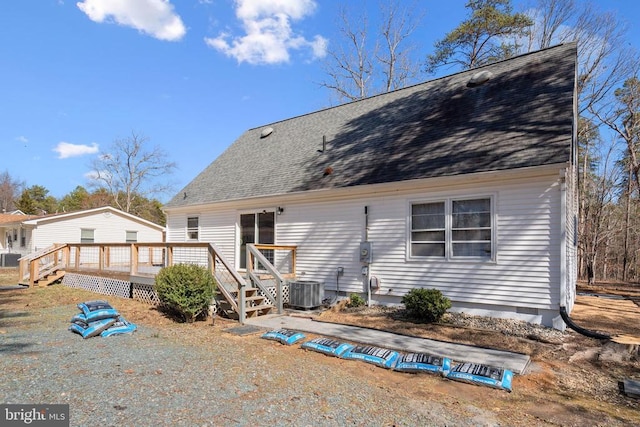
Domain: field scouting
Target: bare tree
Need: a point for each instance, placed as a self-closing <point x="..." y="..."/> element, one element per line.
<point x="623" y="118"/>
<point x="397" y="66"/>
<point x="129" y="170"/>
<point x="596" y="204"/>
<point x="10" y="190"/>
<point x="363" y="64"/>
<point x="604" y="58"/>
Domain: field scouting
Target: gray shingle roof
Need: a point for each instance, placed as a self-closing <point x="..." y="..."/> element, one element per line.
<point x="521" y="117"/>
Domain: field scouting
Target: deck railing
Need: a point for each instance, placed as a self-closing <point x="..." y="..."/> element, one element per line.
<point x="146" y="259"/>
<point x="264" y="274"/>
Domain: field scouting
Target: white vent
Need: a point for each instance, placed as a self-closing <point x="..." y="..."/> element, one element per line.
<point x="266" y="132"/>
<point x="480" y="78"/>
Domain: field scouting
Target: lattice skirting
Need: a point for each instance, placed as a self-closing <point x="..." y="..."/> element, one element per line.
<point x="273" y="291"/>
<point x="145" y="293"/>
<point x="100" y="285"/>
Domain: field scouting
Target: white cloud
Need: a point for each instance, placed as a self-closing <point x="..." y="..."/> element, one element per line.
<point x="66" y="150"/>
<point x="22" y="139"/>
<point x="269" y="36"/>
<point x="153" y="17"/>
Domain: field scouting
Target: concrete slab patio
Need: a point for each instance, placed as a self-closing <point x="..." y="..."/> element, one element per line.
<point x="515" y="362"/>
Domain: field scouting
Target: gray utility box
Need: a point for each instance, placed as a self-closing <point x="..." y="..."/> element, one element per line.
<point x="306" y="293"/>
<point x="9" y="260"/>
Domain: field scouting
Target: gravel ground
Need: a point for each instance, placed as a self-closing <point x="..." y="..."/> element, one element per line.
<point x="169" y="376"/>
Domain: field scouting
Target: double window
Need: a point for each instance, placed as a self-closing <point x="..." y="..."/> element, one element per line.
<point x="452" y="228"/>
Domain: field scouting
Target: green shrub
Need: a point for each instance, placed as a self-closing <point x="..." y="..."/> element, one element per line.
<point x="355" y="300"/>
<point x="428" y="305"/>
<point x="186" y="289"/>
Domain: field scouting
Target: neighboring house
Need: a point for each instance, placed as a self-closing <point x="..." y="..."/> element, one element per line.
<point x="99" y="225"/>
<point x="13" y="236"/>
<point x="466" y="184"/>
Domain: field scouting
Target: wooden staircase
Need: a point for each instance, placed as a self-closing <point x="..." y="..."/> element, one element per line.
<point x="43" y="267"/>
<point x="50" y="277"/>
<point x="254" y="303"/>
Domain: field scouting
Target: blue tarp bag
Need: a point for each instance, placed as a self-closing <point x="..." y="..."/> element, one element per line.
<point x="96" y="310"/>
<point x="80" y="319"/>
<point x="93" y="328"/>
<point x="378" y="356"/>
<point x="476" y="373"/>
<point x="285" y="336"/>
<point x="121" y="326"/>
<point x="327" y="346"/>
<point x="422" y="362"/>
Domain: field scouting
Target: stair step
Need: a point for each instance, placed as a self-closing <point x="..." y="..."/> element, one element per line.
<point x="258" y="307"/>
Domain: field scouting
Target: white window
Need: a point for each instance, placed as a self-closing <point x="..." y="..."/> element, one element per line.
<point x="131" y="236"/>
<point x="87" y="235"/>
<point x="193" y="227"/>
<point x="23" y="237"/>
<point x="452" y="229"/>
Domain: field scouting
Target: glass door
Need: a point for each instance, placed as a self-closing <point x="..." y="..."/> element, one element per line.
<point x="257" y="228"/>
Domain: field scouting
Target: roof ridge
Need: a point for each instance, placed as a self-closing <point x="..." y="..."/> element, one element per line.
<point x="447" y="76"/>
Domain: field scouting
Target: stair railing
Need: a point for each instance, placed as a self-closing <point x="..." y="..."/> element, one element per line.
<point x="36" y="266"/>
<point x="256" y="258"/>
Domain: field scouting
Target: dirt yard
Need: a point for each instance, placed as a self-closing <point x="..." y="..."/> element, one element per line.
<point x="573" y="380"/>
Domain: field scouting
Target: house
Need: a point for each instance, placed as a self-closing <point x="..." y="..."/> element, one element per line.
<point x="13" y="236"/>
<point x="25" y="234"/>
<point x="466" y="184"/>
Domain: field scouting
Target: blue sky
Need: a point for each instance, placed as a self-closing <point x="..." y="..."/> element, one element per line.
<point x="191" y="75"/>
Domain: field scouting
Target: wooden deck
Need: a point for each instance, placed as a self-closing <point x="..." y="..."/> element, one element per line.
<point x="139" y="263"/>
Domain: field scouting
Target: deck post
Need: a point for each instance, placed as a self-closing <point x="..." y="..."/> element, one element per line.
<point x="169" y="260"/>
<point x="33" y="272"/>
<point x="133" y="266"/>
<point x="66" y="254"/>
<point x="100" y="257"/>
<point x="280" y="297"/>
<point x="77" y="258"/>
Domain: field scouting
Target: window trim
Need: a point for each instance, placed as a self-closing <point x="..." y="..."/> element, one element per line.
<point x="86" y="239"/>
<point x="126" y="236"/>
<point x="448" y="205"/>
<point x="189" y="230"/>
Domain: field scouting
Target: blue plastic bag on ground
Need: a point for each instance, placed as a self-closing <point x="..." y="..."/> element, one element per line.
<point x="96" y="310"/>
<point x="422" y="362"/>
<point x="93" y="328"/>
<point x="285" y="336"/>
<point x="476" y="373"/>
<point x="378" y="356"/>
<point x="327" y="346"/>
<point x="121" y="326"/>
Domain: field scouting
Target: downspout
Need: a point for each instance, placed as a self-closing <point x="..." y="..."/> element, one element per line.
<point x="367" y="278"/>
<point x="563" y="265"/>
<point x="563" y="240"/>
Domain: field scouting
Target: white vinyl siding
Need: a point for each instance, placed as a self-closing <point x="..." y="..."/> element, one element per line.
<point x="524" y="271"/>
<point x="107" y="226"/>
<point x="215" y="226"/>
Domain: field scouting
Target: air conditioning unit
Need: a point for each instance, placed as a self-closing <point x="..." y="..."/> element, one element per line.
<point x="306" y="293"/>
